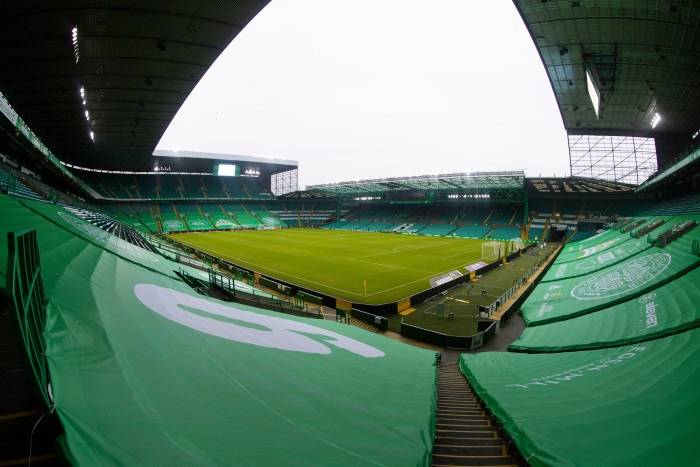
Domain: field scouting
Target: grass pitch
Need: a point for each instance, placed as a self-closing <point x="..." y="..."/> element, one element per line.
<point x="337" y="262"/>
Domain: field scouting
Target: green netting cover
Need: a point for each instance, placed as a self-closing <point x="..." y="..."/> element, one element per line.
<point x="636" y="405"/>
<point x="563" y="299"/>
<point x="597" y="261"/>
<point x="666" y="310"/>
<point x="607" y="241"/>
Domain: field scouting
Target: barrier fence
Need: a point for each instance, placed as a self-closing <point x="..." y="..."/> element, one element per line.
<point x="486" y="330"/>
<point x="289" y="305"/>
<point x="380" y="322"/>
<point x="28" y="296"/>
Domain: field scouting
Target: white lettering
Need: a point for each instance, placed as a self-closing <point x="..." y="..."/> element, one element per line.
<point x="279" y="333"/>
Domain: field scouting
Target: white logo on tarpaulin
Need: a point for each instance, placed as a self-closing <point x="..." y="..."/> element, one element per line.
<point x="623" y="278"/>
<point x="543" y="309"/>
<point x="561" y="271"/>
<point x="649" y="310"/>
<point x="587" y="370"/>
<point x="106" y="238"/>
<point x="279" y="333"/>
<point x="595" y="249"/>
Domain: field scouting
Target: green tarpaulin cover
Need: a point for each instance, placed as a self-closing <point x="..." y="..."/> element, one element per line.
<point x="563" y="299"/>
<point x="636" y="405"/>
<point x="669" y="309"/>
<point x="146" y="372"/>
<point x="589" y="241"/>
<point x="597" y="261"/>
<point x="591" y="249"/>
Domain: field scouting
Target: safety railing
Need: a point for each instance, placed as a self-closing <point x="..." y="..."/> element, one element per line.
<point x="29" y="301"/>
<point x="508" y="294"/>
<point x="253" y="297"/>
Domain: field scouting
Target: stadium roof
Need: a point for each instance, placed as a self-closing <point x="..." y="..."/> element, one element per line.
<point x="477" y="181"/>
<point x="644" y="55"/>
<point x="226" y="157"/>
<point x="571" y="185"/>
<point x="136" y="60"/>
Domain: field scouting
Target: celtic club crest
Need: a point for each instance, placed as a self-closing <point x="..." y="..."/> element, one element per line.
<point x="623" y="278"/>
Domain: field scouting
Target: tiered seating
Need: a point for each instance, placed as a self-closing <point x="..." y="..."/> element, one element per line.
<point x="410" y="228"/>
<point x="472" y="231"/>
<point x="242" y="216"/>
<point x="269" y="219"/>
<point x="119" y="315"/>
<point x="194" y="218"/>
<point x="473" y="215"/>
<point x="170" y="221"/>
<point x="581" y="235"/>
<point x="643" y="268"/>
<point x="174" y="186"/>
<point x="504" y="233"/>
<point x="438" y="229"/>
<point x="688" y="204"/>
<point x="501" y="216"/>
<point x="217" y="217"/>
<point x="628" y="308"/>
<point x="630" y="405"/>
<point x="169" y="187"/>
<point x="12" y="184"/>
<point x="379" y="227"/>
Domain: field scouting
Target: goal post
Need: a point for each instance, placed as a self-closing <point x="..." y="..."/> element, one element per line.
<point x="515" y="244"/>
<point x="492" y="250"/>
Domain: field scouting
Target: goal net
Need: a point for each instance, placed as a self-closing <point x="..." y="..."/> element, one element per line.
<point x="491" y="250"/>
<point x="515" y="245"/>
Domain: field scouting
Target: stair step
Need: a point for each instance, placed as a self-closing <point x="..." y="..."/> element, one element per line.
<point x="461" y="414"/>
<point x="458" y="405"/>
<point x="469" y="442"/>
<point x="460" y="450"/>
<point x="457" y="398"/>
<point x="443" y="459"/>
<point x="464" y="421"/>
<point x="464" y="432"/>
<point x="462" y="426"/>
<point x="490" y="435"/>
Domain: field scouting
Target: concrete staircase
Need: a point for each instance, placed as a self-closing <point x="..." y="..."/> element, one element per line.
<point x="465" y="434"/>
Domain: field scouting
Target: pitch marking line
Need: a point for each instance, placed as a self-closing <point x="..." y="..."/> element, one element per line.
<point x="355" y="294"/>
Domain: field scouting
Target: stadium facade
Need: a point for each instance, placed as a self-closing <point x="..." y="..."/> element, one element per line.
<point x="124" y="344"/>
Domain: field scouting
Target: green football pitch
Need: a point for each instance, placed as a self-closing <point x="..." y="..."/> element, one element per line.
<point x="338" y="263"/>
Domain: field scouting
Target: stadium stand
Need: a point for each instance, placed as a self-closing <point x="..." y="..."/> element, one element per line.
<point x="635" y="276"/>
<point x="12" y="184"/>
<point x="174" y="186"/>
<point x="669" y="309"/>
<point x="119" y="346"/>
<point x="471" y="232"/>
<point x="178" y="367"/>
<point x="597" y="407"/>
<point x="504" y="233"/>
<point x="441" y="230"/>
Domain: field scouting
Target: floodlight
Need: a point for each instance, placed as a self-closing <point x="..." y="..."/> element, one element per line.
<point x="593" y="93"/>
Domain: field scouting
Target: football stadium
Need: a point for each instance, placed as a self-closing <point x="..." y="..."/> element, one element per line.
<point x="162" y="307"/>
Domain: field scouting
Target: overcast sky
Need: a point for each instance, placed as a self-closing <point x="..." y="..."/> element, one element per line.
<point x="356" y="89"/>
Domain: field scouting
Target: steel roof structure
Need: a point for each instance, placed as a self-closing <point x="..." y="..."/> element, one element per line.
<point x="457" y="182"/>
<point x="136" y="61"/>
<point x="577" y="185"/>
<point x="644" y="55"/>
